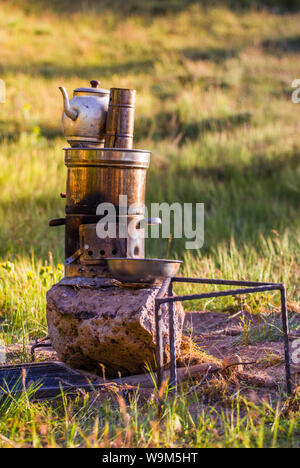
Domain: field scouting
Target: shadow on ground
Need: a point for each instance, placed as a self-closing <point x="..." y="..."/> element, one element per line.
<point x="214" y="54"/>
<point x="286" y="45"/>
<point x="164" y="125"/>
<point x="170" y="125"/>
<point x="53" y="70"/>
<point x="148" y="8"/>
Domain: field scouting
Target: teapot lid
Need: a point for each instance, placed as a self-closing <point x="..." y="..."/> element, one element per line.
<point x="94" y="88"/>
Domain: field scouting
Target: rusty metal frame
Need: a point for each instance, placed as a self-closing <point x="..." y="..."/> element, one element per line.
<point x="166" y="296"/>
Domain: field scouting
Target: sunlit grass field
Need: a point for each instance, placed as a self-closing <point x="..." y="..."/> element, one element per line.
<point x="214" y="107"/>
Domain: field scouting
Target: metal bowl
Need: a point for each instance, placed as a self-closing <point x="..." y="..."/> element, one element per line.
<point x="142" y="270"/>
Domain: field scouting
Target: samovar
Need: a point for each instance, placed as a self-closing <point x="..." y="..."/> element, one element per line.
<point x="98" y="175"/>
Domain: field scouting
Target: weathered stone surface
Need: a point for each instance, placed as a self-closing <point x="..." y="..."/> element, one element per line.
<point x="113" y="326"/>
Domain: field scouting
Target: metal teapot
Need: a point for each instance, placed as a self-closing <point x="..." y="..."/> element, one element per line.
<point x="84" y="116"/>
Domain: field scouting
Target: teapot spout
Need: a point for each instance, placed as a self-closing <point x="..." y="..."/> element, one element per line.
<point x="69" y="111"/>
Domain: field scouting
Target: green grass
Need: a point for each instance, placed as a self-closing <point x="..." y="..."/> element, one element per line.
<point x="91" y="421"/>
<point x="214" y="107"/>
<point x="269" y="329"/>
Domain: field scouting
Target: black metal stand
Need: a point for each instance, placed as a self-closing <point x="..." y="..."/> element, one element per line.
<point x="249" y="287"/>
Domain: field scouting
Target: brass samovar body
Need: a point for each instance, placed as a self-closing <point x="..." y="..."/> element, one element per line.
<point x="97" y="176"/>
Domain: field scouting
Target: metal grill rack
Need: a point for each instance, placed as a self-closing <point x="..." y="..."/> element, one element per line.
<point x="46" y="379"/>
<point x="166" y="296"/>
